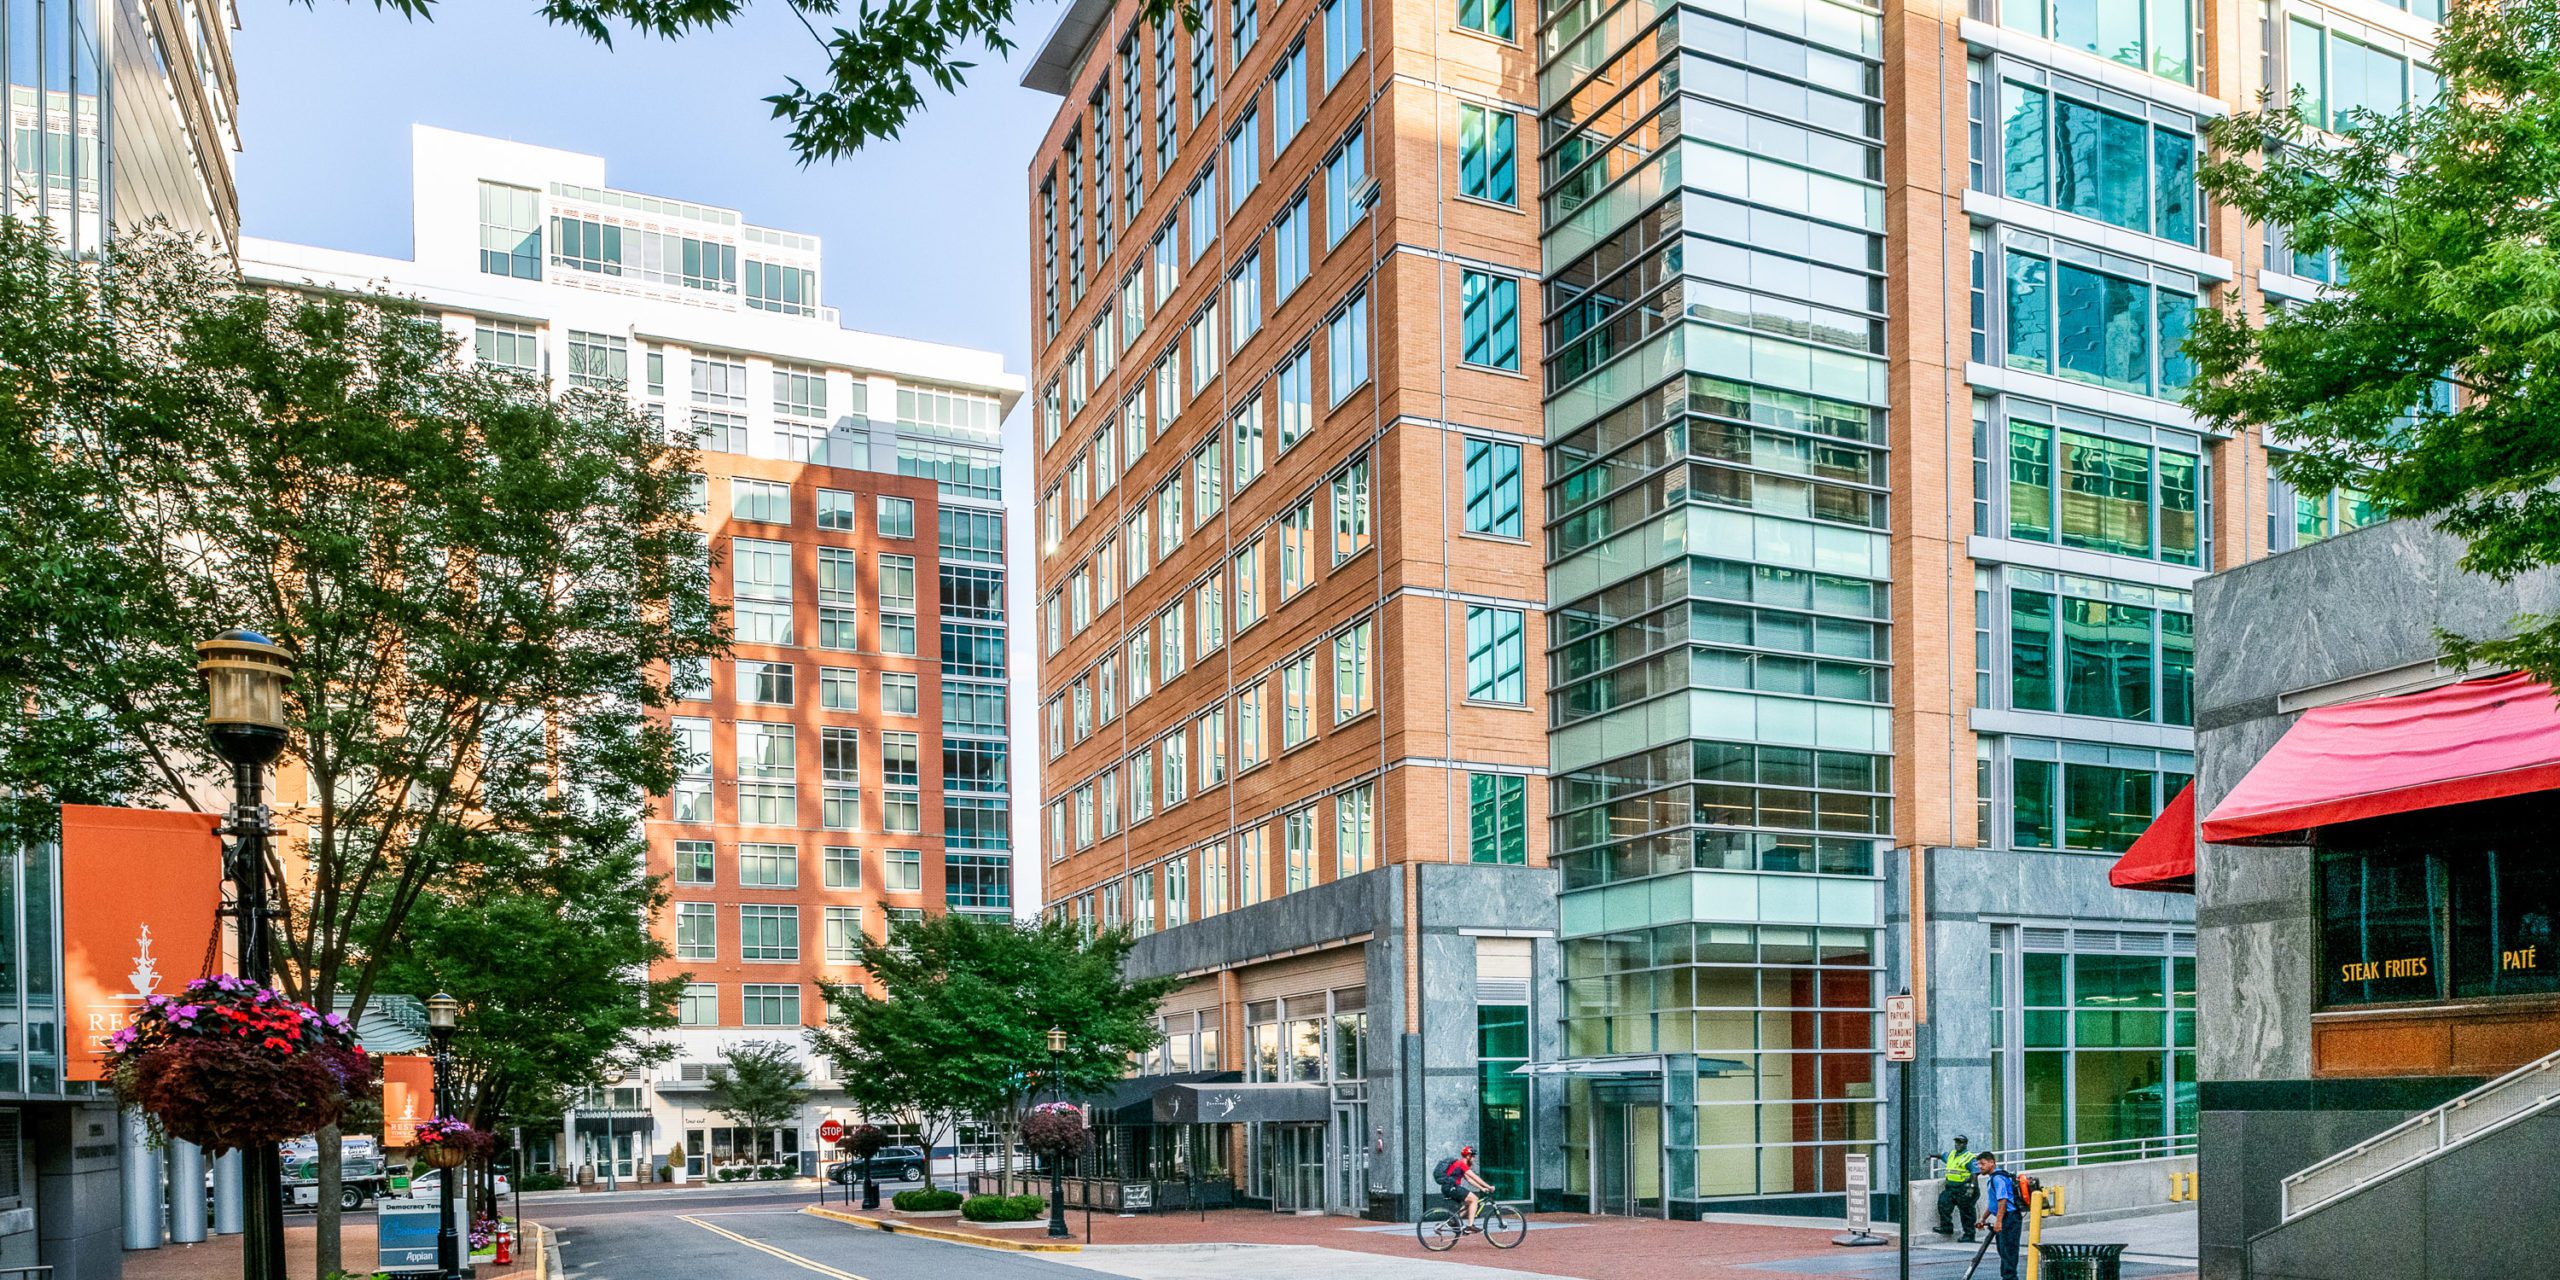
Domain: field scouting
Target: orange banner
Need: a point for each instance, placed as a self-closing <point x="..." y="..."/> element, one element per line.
<point x="139" y="891"/>
<point x="408" y="1096"/>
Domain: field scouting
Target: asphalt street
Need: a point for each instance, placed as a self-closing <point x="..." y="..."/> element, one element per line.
<point x="661" y="1240"/>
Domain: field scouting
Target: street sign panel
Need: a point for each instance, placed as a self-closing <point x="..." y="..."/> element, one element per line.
<point x="1901" y="1030"/>
<point x="831" y="1131"/>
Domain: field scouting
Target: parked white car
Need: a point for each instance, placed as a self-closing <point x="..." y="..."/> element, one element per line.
<point x="429" y="1185"/>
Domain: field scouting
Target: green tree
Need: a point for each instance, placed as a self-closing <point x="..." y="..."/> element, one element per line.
<point x="482" y="587"/>
<point x="2427" y="376"/>
<point x="759" y="1084"/>
<point x="874" y="70"/>
<point x="555" y="964"/>
<point x="954" y="1019"/>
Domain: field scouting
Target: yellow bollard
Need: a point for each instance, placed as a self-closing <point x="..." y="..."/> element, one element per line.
<point x="2048" y="1200"/>
<point x="2176" y="1183"/>
<point x="2192" y="1192"/>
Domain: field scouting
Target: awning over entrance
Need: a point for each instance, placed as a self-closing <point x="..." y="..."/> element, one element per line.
<point x="1243" y="1103"/>
<point x="2164" y="859"/>
<point x="1132" y="1100"/>
<point x="2477" y="740"/>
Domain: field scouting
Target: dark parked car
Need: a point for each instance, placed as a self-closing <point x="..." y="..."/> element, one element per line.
<point x="892" y="1164"/>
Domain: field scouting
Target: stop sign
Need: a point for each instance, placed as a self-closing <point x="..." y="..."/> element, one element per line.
<point x="831" y="1131"/>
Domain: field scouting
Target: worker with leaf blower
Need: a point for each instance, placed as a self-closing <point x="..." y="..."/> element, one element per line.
<point x="2005" y="1215"/>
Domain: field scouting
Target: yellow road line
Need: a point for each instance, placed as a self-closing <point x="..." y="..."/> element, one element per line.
<point x="761" y="1247"/>
<point x="895" y="1227"/>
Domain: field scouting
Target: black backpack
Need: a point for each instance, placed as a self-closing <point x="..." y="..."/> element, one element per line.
<point x="1447" y="1177"/>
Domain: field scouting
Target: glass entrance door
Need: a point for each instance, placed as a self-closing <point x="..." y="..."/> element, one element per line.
<point x="1294" y="1167"/>
<point x="1626" y="1154"/>
<point x="1350" y="1190"/>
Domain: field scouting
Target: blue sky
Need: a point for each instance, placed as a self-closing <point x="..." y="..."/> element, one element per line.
<point x="925" y="236"/>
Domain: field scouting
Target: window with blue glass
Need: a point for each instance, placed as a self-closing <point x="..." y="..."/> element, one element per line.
<point x="1489" y="320"/>
<point x="1486" y="154"/>
<point x="2122" y="169"/>
<point x="1497" y="656"/>
<point x="2157" y="36"/>
<point x="2096" y="326"/>
<point x="1493" y="488"/>
<point x="1492" y="17"/>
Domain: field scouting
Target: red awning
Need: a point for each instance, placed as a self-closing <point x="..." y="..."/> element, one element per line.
<point x="2477" y="740"/>
<point x="2164" y="859"/>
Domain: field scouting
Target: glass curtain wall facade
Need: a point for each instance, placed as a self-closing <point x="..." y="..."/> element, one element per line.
<point x="117" y="112"/>
<point x="1719" y="597"/>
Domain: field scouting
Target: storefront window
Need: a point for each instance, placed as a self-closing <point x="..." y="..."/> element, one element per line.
<point x="1502" y="1098"/>
<point x="2103" y="1066"/>
<point x="2457" y="902"/>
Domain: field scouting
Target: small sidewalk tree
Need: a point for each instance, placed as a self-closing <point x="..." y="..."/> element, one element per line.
<point x="760" y="1085"/>
<point x="956" y="1012"/>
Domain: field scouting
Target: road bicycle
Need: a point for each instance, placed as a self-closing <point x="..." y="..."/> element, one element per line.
<point x="1503" y="1226"/>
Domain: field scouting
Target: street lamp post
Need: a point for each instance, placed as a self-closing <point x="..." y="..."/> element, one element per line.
<point x="1057" y="1159"/>
<point x="443" y="1012"/>
<point x="612" y="1075"/>
<point x="244" y="677"/>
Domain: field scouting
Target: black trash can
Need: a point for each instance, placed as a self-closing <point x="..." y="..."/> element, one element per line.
<point x="2081" y="1261"/>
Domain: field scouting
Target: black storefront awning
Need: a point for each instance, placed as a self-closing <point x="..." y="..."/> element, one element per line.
<point x="623" y="1122"/>
<point x="1132" y="1100"/>
<point x="1243" y="1103"/>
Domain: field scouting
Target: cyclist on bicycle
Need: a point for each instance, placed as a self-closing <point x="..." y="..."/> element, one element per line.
<point x="1459" y="1183"/>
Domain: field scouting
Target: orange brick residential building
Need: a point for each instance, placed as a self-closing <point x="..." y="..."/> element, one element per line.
<point x="1290" y="590"/>
<point x="848" y="760"/>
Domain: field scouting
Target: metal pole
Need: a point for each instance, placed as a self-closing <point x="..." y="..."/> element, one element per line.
<point x="448" y="1240"/>
<point x="612" y="1180"/>
<point x="262" y="1246"/>
<point x="1057" y="1169"/>
<point x="1902" y="1178"/>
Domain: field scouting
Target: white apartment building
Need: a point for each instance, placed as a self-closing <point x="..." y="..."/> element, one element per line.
<point x="851" y="490"/>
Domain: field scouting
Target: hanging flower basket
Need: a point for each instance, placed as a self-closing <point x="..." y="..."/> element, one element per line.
<point x="231" y="1064"/>
<point x="1055" y="1129"/>
<point x="445" y="1142"/>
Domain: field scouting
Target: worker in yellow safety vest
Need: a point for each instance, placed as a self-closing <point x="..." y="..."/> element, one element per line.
<point x="1958" y="1194"/>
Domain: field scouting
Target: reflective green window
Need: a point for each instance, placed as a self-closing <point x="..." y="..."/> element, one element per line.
<point x="2106" y="808"/>
<point x="2106" y="494"/>
<point x="2032" y="792"/>
<point x="2031" y="651"/>
<point x="1497" y="818"/>
<point x="2107" y="659"/>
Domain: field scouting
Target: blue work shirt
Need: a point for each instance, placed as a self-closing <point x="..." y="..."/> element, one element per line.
<point x="2004" y="1190"/>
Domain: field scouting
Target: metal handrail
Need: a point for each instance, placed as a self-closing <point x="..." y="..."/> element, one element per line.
<point x="2522" y="1092"/>
<point x="2065" y="1154"/>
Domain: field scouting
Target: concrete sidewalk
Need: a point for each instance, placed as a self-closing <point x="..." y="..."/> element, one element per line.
<point x="219" y="1258"/>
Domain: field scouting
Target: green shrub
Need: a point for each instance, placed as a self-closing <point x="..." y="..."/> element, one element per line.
<point x="925" y="1200"/>
<point x="542" y="1182"/>
<point x="1002" y="1208"/>
<point x="768" y="1172"/>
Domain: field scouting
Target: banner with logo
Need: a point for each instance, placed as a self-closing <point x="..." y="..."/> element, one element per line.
<point x="408" y="1096"/>
<point x="140" y="888"/>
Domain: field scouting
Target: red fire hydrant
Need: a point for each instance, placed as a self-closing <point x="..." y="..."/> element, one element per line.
<point x="506" y="1243"/>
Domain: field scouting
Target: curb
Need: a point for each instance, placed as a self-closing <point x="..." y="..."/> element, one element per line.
<point x="541" y="1250"/>
<point x="938" y="1233"/>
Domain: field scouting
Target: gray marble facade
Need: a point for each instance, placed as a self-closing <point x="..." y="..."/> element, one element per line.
<point x="2358" y="605"/>
<point x="1421" y="1082"/>
<point x="1968" y="891"/>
